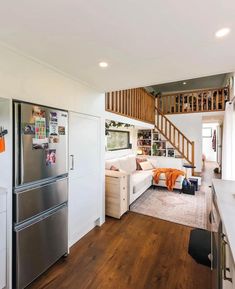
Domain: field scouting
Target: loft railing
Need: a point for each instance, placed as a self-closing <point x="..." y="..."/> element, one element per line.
<point x="174" y="136"/>
<point x="134" y="103"/>
<point x="193" y="101"/>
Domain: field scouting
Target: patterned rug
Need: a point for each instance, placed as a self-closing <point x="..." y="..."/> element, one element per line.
<point x="189" y="210"/>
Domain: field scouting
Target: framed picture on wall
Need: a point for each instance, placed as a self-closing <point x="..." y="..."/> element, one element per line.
<point x="207" y="132"/>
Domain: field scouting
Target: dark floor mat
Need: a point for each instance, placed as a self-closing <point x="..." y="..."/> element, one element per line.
<point x="200" y="246"/>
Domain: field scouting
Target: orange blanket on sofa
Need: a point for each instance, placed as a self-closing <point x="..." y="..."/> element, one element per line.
<point x="171" y="176"/>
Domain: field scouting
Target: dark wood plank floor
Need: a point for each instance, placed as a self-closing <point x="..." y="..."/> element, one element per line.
<point x="137" y="252"/>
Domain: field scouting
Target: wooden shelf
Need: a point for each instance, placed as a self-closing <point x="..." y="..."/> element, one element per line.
<point x="149" y="149"/>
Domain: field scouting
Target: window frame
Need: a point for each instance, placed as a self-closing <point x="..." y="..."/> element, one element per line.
<point x="128" y="138"/>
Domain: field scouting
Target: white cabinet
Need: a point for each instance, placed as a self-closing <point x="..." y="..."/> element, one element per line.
<point x="84" y="174"/>
<point x="3" y="238"/>
<point x="228" y="265"/>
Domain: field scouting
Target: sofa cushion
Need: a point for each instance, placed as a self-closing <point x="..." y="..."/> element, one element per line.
<point x="125" y="164"/>
<point x="146" y="166"/>
<point x="140" y="179"/>
<point x="162" y="177"/>
<point x="128" y="164"/>
<point x="138" y="161"/>
<point x="132" y="164"/>
<point x="167" y="162"/>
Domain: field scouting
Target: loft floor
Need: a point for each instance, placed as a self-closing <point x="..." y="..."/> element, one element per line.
<point x="137" y="252"/>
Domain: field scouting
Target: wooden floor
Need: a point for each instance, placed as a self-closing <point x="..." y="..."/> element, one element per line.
<point x="137" y="252"/>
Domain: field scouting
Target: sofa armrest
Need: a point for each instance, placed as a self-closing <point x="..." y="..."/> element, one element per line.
<point x="115" y="174"/>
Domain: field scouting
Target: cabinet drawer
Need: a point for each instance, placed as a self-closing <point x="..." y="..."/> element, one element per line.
<point x="2" y="231"/>
<point x="3" y="202"/>
<point x="2" y="268"/>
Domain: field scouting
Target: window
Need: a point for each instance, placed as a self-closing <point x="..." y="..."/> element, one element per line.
<point x="117" y="140"/>
<point x="206" y="132"/>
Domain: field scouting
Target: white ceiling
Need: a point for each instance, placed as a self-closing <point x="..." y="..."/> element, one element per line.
<point x="145" y="42"/>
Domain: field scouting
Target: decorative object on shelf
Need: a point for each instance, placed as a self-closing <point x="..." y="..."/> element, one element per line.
<point x="154" y="149"/>
<point x="151" y="142"/>
<point x="139" y="151"/>
<point x="170" y="152"/>
<point x="111" y="124"/>
<point x="3" y="132"/>
<point x="144" y="141"/>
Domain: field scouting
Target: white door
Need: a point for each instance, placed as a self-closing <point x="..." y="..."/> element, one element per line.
<point x="84" y="174"/>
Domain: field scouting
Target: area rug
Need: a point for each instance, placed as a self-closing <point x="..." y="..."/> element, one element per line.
<point x="189" y="210"/>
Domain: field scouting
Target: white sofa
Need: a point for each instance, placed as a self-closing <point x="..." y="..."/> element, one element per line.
<point x="140" y="181"/>
<point x="164" y="162"/>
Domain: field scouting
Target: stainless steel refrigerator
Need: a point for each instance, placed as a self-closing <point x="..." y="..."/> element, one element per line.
<point x="40" y="190"/>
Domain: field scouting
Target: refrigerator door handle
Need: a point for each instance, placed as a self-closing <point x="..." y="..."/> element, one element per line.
<point x="21" y="161"/>
<point x="39" y="218"/>
<point x="72" y="163"/>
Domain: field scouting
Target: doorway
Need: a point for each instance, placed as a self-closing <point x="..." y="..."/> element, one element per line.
<point x="212" y="142"/>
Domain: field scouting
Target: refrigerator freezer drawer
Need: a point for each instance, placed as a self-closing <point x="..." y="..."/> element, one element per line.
<point x="39" y="245"/>
<point x="34" y="201"/>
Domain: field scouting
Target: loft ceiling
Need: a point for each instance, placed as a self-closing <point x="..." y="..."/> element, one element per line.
<point x="145" y="42"/>
<point x="214" y="81"/>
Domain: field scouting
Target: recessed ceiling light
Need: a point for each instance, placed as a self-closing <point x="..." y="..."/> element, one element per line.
<point x="184" y="82"/>
<point x="222" y="32"/>
<point x="103" y="64"/>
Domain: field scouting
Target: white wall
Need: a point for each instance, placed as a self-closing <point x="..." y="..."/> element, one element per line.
<point x="207" y="149"/>
<point x="191" y="125"/>
<point x="5" y="176"/>
<point x="25" y="79"/>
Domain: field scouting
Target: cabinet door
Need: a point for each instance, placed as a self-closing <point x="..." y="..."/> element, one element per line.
<point x="3" y="250"/>
<point x="84" y="174"/>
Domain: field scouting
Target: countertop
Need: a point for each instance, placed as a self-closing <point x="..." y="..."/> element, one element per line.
<point x="3" y="191"/>
<point x="225" y="193"/>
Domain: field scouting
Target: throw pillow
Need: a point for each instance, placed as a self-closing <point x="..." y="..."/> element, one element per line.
<point x="145" y="166"/>
<point x="113" y="168"/>
<point x="138" y="161"/>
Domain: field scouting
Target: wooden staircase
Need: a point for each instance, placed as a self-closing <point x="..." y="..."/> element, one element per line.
<point x="174" y="136"/>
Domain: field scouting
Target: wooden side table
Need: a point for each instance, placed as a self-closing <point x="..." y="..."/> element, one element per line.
<point x="116" y="195"/>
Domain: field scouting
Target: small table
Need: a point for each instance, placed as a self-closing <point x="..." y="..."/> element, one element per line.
<point x="187" y="187"/>
<point x="188" y="166"/>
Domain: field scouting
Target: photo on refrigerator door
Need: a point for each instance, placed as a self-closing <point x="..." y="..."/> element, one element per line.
<point x="28" y="129"/>
<point x="40" y="140"/>
<point x="53" y="128"/>
<point x="50" y="157"/>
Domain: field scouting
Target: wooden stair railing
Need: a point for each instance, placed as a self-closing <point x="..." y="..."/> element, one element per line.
<point x="134" y="103"/>
<point x="174" y="136"/>
<point x="205" y="100"/>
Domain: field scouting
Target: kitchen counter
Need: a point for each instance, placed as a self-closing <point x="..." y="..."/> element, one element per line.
<point x="225" y="195"/>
